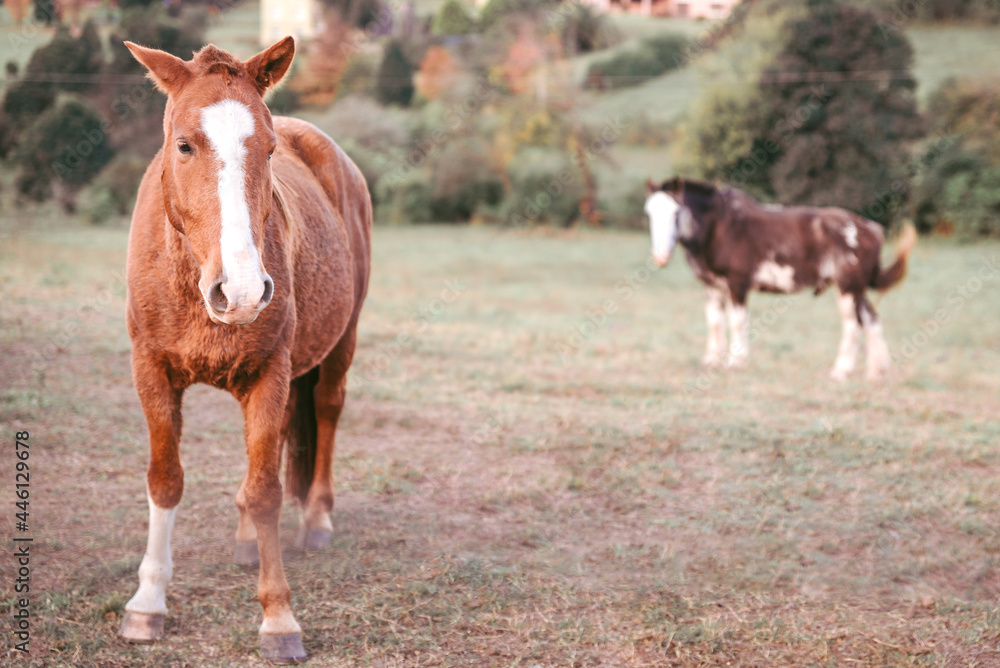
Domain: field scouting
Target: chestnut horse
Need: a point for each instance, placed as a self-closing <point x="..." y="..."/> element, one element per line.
<point x="248" y="262"/>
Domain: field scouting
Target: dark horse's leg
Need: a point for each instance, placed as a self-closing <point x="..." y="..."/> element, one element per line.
<point x="331" y="390"/>
<point x="264" y="405"/>
<point x="161" y="402"/>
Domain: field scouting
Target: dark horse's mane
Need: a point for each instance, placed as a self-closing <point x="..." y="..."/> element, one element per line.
<point x="697" y="195"/>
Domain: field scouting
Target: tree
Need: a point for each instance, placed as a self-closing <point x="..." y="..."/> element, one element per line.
<point x="839" y="102"/>
<point x="66" y="148"/>
<point x="453" y="19"/>
<point x="394" y="83"/>
<point x="829" y="120"/>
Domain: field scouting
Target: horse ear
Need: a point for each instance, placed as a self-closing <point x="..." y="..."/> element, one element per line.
<point x="167" y="71"/>
<point x="651" y="187"/>
<point x="268" y="66"/>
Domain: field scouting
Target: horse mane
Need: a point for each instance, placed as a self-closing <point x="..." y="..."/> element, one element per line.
<point x="284" y="194"/>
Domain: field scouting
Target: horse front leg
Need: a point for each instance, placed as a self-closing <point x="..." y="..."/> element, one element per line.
<point x="263" y="410"/>
<point x="246" y="552"/>
<point x="715" y="303"/>
<point x="161" y="402"/>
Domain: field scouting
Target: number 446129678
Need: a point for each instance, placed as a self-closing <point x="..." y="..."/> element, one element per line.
<point x="21" y="479"/>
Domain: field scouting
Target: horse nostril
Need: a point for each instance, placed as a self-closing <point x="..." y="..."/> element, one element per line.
<point x="216" y="298"/>
<point x="268" y="292"/>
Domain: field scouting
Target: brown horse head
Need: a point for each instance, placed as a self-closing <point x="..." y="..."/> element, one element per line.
<point x="216" y="177"/>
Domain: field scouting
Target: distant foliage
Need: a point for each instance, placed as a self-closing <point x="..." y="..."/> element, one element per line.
<point x="437" y="73"/>
<point x="896" y="12"/>
<point x="496" y="11"/>
<point x="850" y="139"/>
<point x="453" y="18"/>
<point x="359" y="13"/>
<point x="584" y="29"/>
<point x="65" y="149"/>
<point x="394" y="83"/>
<point x="654" y="56"/>
<point x="325" y="63"/>
<point x="802" y="137"/>
<point x="958" y="188"/>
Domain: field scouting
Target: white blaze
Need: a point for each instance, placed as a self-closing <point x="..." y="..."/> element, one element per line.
<point x="227" y="124"/>
<point x="662" y="210"/>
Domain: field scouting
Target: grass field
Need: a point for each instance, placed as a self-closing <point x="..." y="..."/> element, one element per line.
<point x="517" y="487"/>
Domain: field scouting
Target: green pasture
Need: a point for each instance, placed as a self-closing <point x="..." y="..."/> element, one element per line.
<point x="534" y="470"/>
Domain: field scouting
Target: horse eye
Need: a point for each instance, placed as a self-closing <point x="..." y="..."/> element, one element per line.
<point x="270" y="154"/>
<point x="185" y="148"/>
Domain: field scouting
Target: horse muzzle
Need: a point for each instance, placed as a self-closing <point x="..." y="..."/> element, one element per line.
<point x="231" y="303"/>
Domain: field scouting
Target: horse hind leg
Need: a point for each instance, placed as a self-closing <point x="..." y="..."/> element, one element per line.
<point x="877" y="358"/>
<point x="850" y="338"/>
<point x="314" y="484"/>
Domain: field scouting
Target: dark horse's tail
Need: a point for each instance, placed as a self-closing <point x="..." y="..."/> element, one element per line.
<point x="302" y="436"/>
<point x="894" y="273"/>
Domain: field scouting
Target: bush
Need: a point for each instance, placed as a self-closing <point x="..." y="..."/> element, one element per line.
<point x="583" y="29"/>
<point x="394" y="83"/>
<point x="496" y="10"/>
<point x="960" y="188"/>
<point x="66" y="146"/>
<point x="284" y="101"/>
<point x="405" y="201"/>
<point x="464" y="180"/>
<point x="546" y="190"/>
<point x="359" y="75"/>
<point x="453" y="19"/>
<point x="120" y="179"/>
<point x="654" y="56"/>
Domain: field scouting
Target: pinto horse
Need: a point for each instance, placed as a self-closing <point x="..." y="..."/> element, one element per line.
<point x="248" y="263"/>
<point x="735" y="244"/>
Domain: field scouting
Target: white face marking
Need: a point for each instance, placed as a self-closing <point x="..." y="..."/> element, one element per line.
<point x="157" y="566"/>
<point x="774" y="276"/>
<point x="662" y="210"/>
<point x="851" y="235"/>
<point x="227" y="124"/>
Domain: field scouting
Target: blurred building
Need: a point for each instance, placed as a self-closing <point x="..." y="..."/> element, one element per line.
<point x="693" y="9"/>
<point x="280" y="18"/>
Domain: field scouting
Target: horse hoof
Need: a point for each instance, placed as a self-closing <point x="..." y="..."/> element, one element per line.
<point x="141" y="627"/>
<point x="317" y="538"/>
<point x="282" y="648"/>
<point x="246" y="553"/>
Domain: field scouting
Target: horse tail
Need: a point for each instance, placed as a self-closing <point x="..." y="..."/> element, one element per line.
<point x="886" y="278"/>
<point x="302" y="436"/>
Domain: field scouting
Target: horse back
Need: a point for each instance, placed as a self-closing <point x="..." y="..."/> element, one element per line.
<point x="323" y="202"/>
